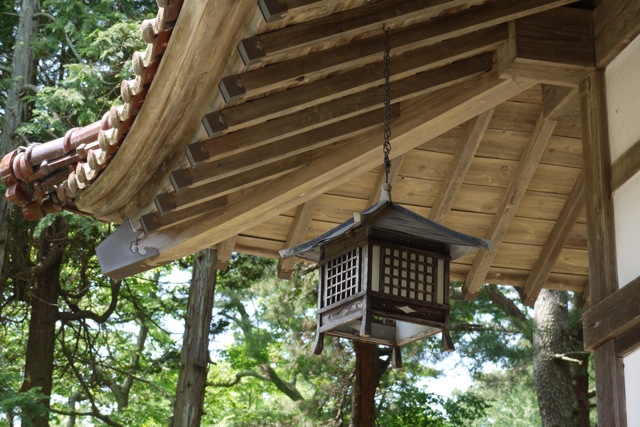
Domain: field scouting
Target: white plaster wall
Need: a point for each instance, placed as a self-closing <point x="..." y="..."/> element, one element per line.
<point x="632" y="387"/>
<point x="626" y="211"/>
<point x="623" y="99"/>
<point x="623" y="109"/>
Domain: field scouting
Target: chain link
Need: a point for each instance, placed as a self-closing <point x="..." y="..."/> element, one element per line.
<point x="386" y="147"/>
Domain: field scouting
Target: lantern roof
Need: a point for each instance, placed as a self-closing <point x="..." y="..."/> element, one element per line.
<point x="389" y="217"/>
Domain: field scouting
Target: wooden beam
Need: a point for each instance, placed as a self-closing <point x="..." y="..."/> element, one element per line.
<point x="179" y="206"/>
<point x="212" y="162"/>
<point x="314" y="65"/>
<point x="554" y="47"/>
<point x="460" y="166"/>
<point x="348" y="106"/>
<point x="353" y="81"/>
<point x="628" y="342"/>
<point x="616" y="24"/>
<point x="613" y="316"/>
<point x="342" y="25"/>
<point x="609" y="370"/>
<point x="554" y="244"/>
<point x="298" y="230"/>
<point x="396" y="164"/>
<point x="557" y="101"/>
<point x="597" y="170"/>
<point x="517" y="187"/>
<point x="274" y="10"/>
<point x="224" y="251"/>
<point x="208" y="155"/>
<point x="416" y="125"/>
<point x="625" y="167"/>
<point x="603" y="279"/>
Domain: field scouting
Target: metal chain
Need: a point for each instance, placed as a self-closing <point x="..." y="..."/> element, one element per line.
<point x="386" y="147"/>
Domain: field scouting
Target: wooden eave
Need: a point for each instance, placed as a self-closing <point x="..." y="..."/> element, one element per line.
<point x="263" y="128"/>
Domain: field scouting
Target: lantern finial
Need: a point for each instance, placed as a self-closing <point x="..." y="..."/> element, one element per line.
<point x="385" y="192"/>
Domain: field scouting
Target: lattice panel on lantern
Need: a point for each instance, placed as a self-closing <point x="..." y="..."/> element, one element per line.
<point x="342" y="277"/>
<point x="409" y="274"/>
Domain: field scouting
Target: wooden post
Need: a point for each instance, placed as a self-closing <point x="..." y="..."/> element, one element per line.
<point x="603" y="280"/>
<point x="194" y="358"/>
<point x="365" y="384"/>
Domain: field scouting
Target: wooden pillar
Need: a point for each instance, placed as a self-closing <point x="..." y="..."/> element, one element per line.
<point x="365" y="384"/>
<point x="603" y="280"/>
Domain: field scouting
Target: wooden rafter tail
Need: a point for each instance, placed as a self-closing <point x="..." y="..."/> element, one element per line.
<point x="349" y="82"/>
<point x="337" y="26"/>
<point x="347" y="106"/>
<point x="221" y="151"/>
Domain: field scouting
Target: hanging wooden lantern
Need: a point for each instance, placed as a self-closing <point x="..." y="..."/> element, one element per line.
<point x="384" y="277"/>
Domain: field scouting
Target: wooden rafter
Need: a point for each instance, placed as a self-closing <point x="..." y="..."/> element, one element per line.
<point x="274" y="10"/>
<point x="304" y="215"/>
<point x="348" y="106"/>
<point x="347" y="160"/>
<point x="353" y="81"/>
<point x="344" y="24"/>
<point x="616" y="24"/>
<point x="554" y="244"/>
<point x="460" y="165"/>
<point x="314" y="65"/>
<point x="517" y="187"/>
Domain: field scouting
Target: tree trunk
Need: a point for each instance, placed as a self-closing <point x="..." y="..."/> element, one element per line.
<point x="554" y="383"/>
<point x="194" y="357"/>
<point x="16" y="110"/>
<point x="365" y="384"/>
<point x="45" y="288"/>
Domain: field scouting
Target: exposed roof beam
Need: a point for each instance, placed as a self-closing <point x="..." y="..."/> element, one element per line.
<point x="517" y="187"/>
<point x="304" y="215"/>
<point x="274" y="10"/>
<point x="553" y="47"/>
<point x="345" y="107"/>
<point x="218" y="158"/>
<point x="224" y="251"/>
<point x="554" y="244"/>
<point x="612" y="316"/>
<point x="352" y="81"/>
<point x="360" y="52"/>
<point x="416" y="125"/>
<point x="459" y="166"/>
<point x="616" y="23"/>
<point x="343" y="24"/>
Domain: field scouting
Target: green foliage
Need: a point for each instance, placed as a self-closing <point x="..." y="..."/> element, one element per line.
<point x="511" y="395"/>
<point x="408" y="405"/>
<point x="13" y="402"/>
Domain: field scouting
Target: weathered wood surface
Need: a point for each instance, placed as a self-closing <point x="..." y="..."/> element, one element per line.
<point x="295" y="148"/>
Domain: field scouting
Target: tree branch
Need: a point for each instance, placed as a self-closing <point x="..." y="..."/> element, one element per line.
<point x="287" y="388"/>
<point x="88" y="314"/>
<point x="505" y="303"/>
<point x="238" y="377"/>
